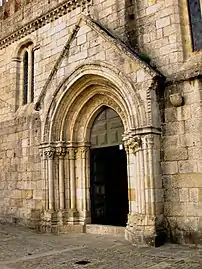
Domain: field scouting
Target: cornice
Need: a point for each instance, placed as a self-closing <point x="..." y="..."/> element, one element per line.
<point x="51" y="15"/>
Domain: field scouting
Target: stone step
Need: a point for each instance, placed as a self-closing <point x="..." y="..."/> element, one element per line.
<point x="105" y="229"/>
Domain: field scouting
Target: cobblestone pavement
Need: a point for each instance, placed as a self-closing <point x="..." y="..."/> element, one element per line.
<point x="21" y="248"/>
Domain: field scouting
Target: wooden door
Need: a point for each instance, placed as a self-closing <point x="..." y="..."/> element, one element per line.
<point x="109" y="193"/>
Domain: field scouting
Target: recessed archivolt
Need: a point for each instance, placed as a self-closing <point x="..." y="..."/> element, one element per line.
<point x="83" y="117"/>
<point x="81" y="104"/>
<point x="81" y="87"/>
<point x="88" y="114"/>
<point x="92" y="92"/>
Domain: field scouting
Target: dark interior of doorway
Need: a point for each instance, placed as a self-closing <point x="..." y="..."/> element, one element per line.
<point x="109" y="186"/>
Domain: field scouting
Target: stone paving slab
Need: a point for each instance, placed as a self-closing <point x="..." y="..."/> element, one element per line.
<point x="21" y="248"/>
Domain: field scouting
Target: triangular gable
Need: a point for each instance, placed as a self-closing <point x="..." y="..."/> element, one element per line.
<point x="109" y="37"/>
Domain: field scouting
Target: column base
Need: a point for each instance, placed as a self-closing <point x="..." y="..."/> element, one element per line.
<point x="138" y="237"/>
<point x="145" y="230"/>
<point x="63" y="221"/>
<point x="73" y="217"/>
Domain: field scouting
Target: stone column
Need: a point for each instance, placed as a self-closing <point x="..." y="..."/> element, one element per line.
<point x="154" y="188"/>
<point x="133" y="146"/>
<point x="47" y="154"/>
<point x="142" y="221"/>
<point x="50" y="155"/>
<point x="85" y="182"/>
<point x="73" y="207"/>
<point x="44" y="169"/>
<point x="61" y="152"/>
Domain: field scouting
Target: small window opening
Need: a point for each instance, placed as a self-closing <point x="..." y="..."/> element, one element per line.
<point x="32" y="78"/>
<point x="195" y="14"/>
<point x="26" y="77"/>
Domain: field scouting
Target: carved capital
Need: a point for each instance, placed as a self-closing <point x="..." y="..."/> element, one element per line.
<point x="83" y="151"/>
<point x="133" y="144"/>
<point x="49" y="153"/>
<point x="42" y="155"/>
<point x="150" y="141"/>
<point x="61" y="152"/>
<point x="71" y="153"/>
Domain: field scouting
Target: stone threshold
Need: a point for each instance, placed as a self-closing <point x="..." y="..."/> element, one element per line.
<point x="104" y="229"/>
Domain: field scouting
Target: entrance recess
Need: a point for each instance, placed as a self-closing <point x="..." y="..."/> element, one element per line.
<point x="109" y="186"/>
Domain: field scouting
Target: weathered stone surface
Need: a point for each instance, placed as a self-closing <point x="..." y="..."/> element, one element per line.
<point x="81" y="65"/>
<point x="76" y="250"/>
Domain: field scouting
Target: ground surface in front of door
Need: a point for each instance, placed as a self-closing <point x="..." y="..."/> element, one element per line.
<point x="25" y="249"/>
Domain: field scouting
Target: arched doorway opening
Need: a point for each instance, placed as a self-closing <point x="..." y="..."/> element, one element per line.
<point x="108" y="175"/>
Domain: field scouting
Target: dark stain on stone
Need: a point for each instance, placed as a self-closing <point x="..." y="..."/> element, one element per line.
<point x="82" y="262"/>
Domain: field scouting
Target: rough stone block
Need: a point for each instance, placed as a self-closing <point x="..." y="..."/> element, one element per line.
<point x="184" y="195"/>
<point x="163" y="22"/>
<point x="187" y="166"/>
<point x="193" y="195"/>
<point x="175" y="154"/>
<point x="169" y="168"/>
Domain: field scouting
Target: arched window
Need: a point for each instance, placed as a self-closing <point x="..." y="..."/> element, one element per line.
<point x="27" y="74"/>
<point x="26" y="77"/>
<point x="195" y="14"/>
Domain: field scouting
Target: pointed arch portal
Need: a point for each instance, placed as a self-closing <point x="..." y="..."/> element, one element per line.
<point x="101" y="157"/>
<point x="108" y="170"/>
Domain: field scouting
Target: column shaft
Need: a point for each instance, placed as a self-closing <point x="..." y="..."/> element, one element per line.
<point x="61" y="183"/>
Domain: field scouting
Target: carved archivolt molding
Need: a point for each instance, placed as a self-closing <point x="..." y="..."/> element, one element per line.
<point x="51" y="15"/>
<point x="75" y="123"/>
<point x="84" y="118"/>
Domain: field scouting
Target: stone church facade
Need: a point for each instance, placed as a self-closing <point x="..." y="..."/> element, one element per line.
<point x="100" y="117"/>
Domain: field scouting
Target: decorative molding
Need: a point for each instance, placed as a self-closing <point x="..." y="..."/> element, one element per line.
<point x="153" y="86"/>
<point x="63" y="54"/>
<point x="51" y="15"/>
